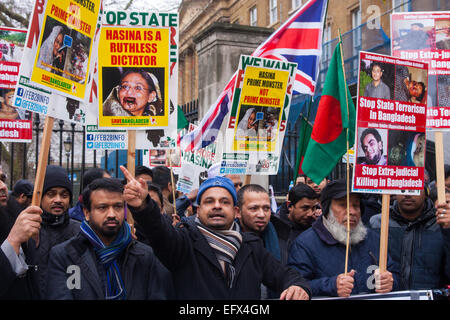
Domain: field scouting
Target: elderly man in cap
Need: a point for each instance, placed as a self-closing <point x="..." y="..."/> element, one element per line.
<point x="319" y="252"/>
<point x="208" y="256"/>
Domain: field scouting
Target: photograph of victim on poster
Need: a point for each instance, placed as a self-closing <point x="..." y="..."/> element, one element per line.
<point x="372" y="146"/>
<point x="406" y="148"/>
<point x="160" y="157"/>
<point x="133" y="92"/>
<point x="413" y="34"/>
<point x="7" y="109"/>
<point x="64" y="51"/>
<point x="11" y="44"/>
<point x="411" y="84"/>
<point x="442" y="27"/>
<point x="257" y="123"/>
<point x="376" y="80"/>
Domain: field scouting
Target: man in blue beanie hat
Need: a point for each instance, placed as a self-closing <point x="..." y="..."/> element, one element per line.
<point x="209" y="257"/>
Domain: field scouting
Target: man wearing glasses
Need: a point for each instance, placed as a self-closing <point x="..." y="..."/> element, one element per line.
<point x="138" y="94"/>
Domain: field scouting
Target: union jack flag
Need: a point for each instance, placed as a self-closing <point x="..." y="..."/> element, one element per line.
<point x="298" y="40"/>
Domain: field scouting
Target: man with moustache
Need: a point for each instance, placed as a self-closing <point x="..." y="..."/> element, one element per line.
<point x="209" y="257"/>
<point x="35" y="231"/>
<point x="56" y="226"/>
<point x="419" y="240"/>
<point x="300" y="211"/>
<point x="319" y="252"/>
<point x="112" y="265"/>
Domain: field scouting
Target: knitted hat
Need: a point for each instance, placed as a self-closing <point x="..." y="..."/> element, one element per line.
<point x="217" y="181"/>
<point x="56" y="176"/>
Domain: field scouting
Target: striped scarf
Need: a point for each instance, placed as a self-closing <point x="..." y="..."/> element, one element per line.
<point x="226" y="244"/>
<point x="107" y="256"/>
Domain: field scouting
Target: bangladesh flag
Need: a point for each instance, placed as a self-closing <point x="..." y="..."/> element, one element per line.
<point x="329" y="137"/>
<point x="182" y="122"/>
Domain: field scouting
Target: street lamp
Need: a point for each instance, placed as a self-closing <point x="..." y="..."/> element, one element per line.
<point x="68" y="149"/>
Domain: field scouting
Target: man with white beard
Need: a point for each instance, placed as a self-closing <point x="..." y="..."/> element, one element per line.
<point x="319" y="252"/>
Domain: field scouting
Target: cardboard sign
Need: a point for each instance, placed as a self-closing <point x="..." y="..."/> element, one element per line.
<point x="62" y="58"/>
<point x="257" y="121"/>
<point x="12" y="42"/>
<point x="425" y="36"/>
<point x="138" y="76"/>
<point x="105" y="139"/>
<point x="391" y="119"/>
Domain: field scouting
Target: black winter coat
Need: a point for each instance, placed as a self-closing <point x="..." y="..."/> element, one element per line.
<point x="195" y="269"/>
<point x="143" y="275"/>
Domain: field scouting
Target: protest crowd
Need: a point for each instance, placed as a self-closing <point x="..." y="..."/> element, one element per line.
<point x="225" y="240"/>
<point x="214" y="230"/>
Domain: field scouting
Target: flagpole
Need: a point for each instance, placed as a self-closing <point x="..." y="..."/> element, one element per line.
<point x="347" y="245"/>
<point x="303" y="133"/>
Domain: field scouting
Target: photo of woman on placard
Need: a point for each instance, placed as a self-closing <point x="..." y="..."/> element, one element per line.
<point x="137" y="94"/>
<point x="52" y="54"/>
<point x="248" y="126"/>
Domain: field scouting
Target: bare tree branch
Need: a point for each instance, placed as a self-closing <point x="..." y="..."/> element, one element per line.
<point x="4" y="10"/>
<point x="128" y="4"/>
<point x="5" y="21"/>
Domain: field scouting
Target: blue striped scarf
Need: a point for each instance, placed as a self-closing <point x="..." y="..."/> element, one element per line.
<point x="107" y="256"/>
<point x="226" y="244"/>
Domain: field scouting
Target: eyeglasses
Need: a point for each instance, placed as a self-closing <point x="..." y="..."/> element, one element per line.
<point x="138" y="89"/>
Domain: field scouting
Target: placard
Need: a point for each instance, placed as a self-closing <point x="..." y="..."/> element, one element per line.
<point x="257" y="120"/>
<point x="391" y="119"/>
<point x="425" y="36"/>
<point x="12" y="42"/>
<point x="62" y="58"/>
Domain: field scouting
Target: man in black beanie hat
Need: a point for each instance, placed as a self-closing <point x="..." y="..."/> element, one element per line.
<point x="35" y="231"/>
<point x="56" y="226"/>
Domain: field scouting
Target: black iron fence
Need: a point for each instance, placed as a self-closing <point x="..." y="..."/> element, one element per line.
<point x="68" y="150"/>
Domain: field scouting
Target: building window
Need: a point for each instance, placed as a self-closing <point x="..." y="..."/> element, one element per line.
<point x="273" y="11"/>
<point x="400" y="5"/>
<point x="296" y="4"/>
<point x="253" y="17"/>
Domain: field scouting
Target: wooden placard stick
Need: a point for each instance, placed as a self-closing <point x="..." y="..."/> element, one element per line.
<point x="247" y="179"/>
<point x="131" y="161"/>
<point x="384" y="231"/>
<point x="42" y="161"/>
<point x="42" y="166"/>
<point x="440" y="174"/>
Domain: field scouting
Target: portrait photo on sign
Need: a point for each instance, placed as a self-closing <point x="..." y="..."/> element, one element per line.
<point x="133" y="91"/>
<point x="411" y="84"/>
<point x="413" y="34"/>
<point x="442" y="29"/>
<point x="406" y="148"/>
<point x="64" y="51"/>
<point x="376" y="79"/>
<point x="257" y="123"/>
<point x="372" y="148"/>
<point x="7" y="110"/>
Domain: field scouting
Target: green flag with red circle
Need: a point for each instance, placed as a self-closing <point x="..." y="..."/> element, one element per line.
<point x="335" y="114"/>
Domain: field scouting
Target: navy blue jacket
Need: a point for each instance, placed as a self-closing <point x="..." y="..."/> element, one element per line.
<point x="420" y="247"/>
<point x="320" y="259"/>
<point x="143" y="275"/>
<point x="196" y="271"/>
